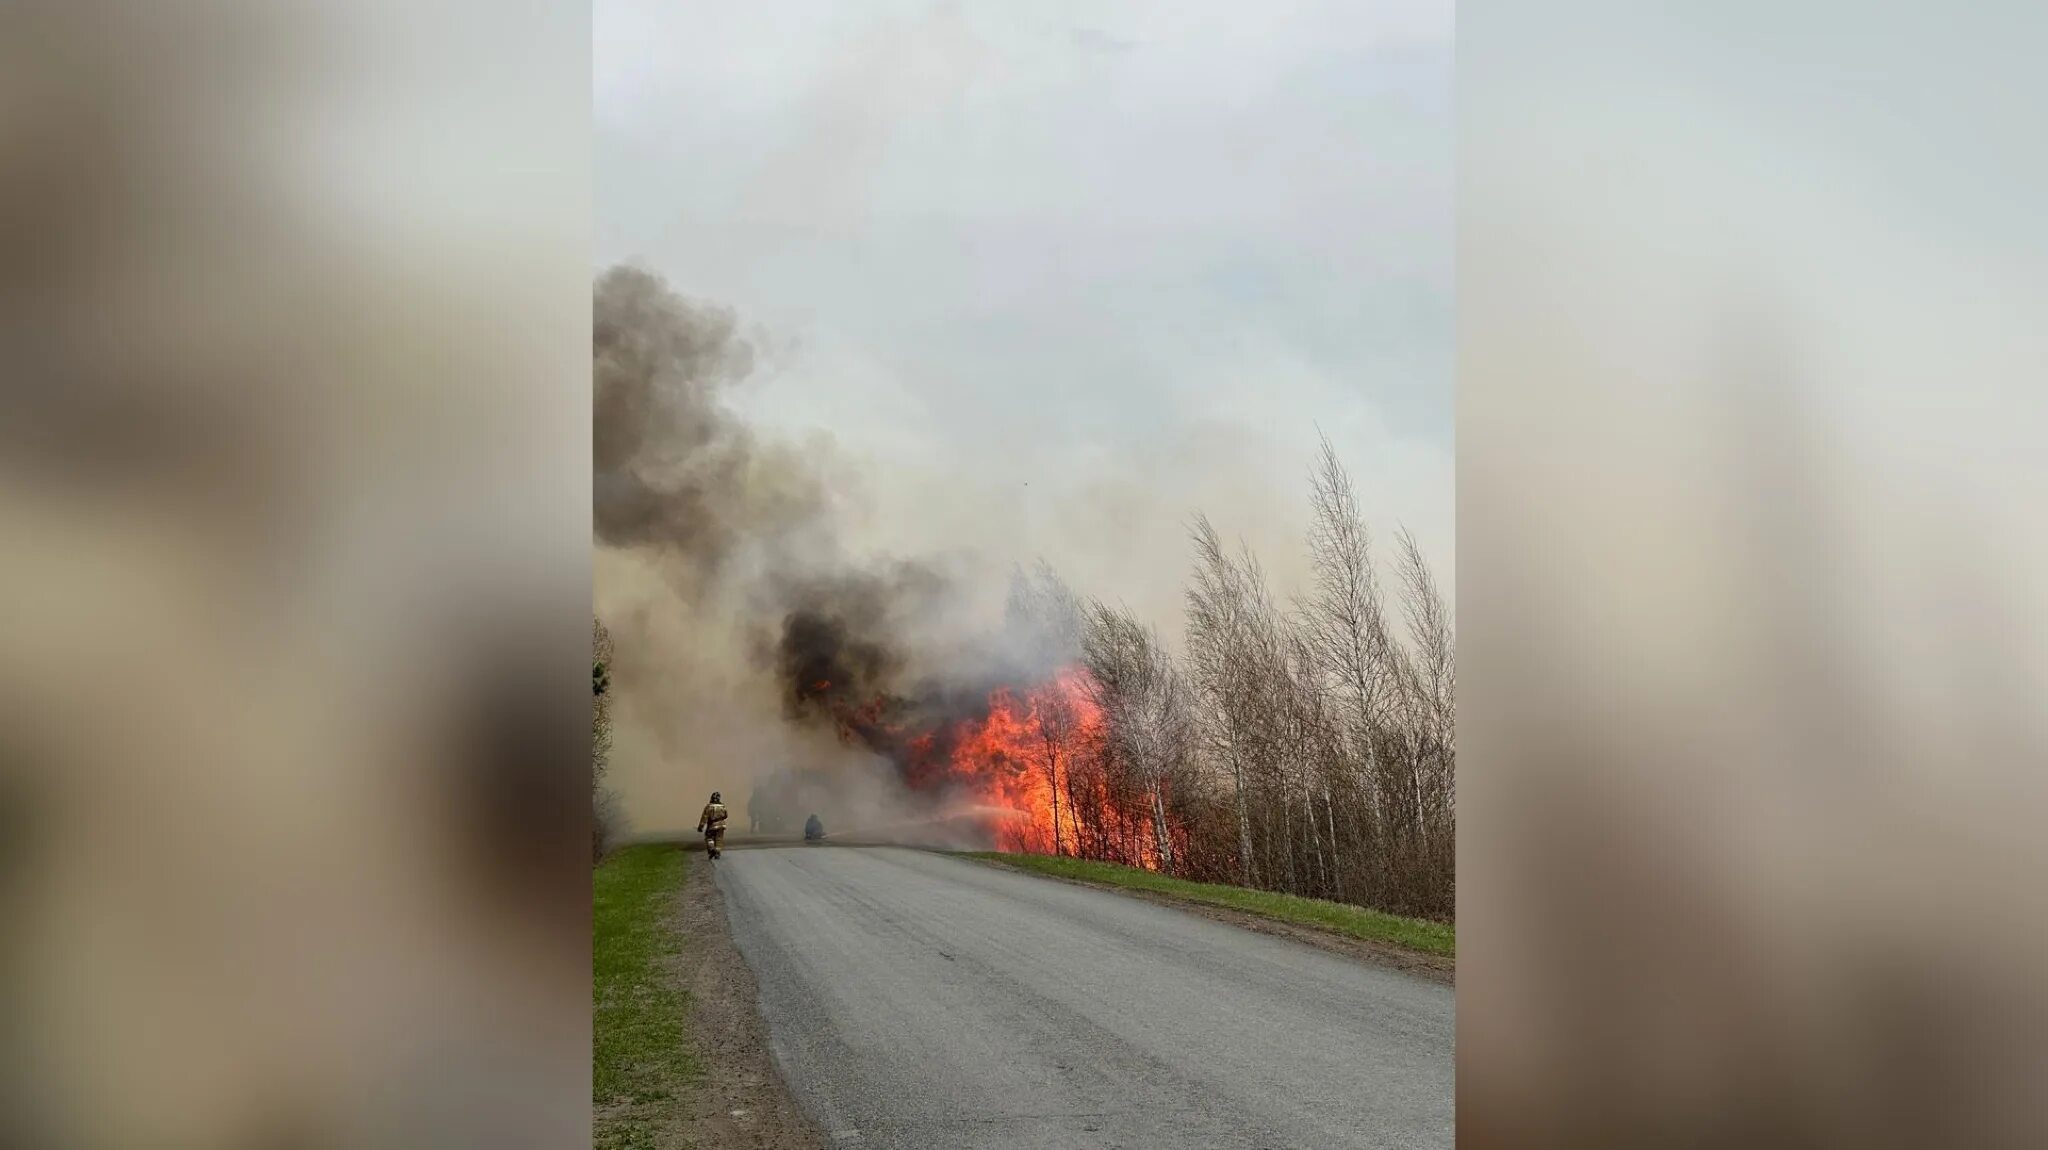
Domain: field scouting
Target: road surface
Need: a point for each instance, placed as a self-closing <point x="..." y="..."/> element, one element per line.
<point x="915" y="1000"/>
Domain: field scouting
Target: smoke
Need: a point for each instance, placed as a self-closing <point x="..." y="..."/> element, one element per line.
<point x="844" y="633"/>
<point x="758" y="648"/>
<point x="675" y="471"/>
<point x="743" y="628"/>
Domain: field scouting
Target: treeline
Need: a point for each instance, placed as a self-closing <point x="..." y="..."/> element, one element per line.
<point x="604" y="808"/>
<point x="1306" y="747"/>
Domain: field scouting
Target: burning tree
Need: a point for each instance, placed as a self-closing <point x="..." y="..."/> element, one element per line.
<point x="1148" y="737"/>
<point x="1305" y="745"/>
<point x="1307" y="749"/>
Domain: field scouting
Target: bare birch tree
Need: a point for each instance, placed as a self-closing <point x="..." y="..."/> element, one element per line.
<point x="1145" y="710"/>
<point x="1312" y="751"/>
<point x="1217" y="642"/>
<point x="1047" y="625"/>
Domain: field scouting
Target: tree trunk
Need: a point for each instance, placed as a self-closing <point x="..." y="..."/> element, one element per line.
<point x="1159" y="833"/>
<point x="1074" y="824"/>
<point x="1287" y="839"/>
<point x="1244" y="823"/>
<point x="1336" y="861"/>
<point x="1053" y="770"/>
<point x="1320" y="876"/>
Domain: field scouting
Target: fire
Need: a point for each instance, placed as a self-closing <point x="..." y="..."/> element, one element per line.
<point x="1031" y="765"/>
<point x="1037" y="754"/>
<point x="1022" y="755"/>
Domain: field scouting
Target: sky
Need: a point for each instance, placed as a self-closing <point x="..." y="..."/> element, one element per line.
<point x="1053" y="277"/>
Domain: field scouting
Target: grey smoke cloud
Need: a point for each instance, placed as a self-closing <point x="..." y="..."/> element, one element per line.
<point x="665" y="449"/>
<point x="1016" y="296"/>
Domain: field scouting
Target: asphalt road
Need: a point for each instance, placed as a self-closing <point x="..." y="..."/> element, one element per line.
<point x="915" y="1000"/>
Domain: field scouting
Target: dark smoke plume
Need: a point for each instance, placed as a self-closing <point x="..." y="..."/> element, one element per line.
<point x="756" y="652"/>
<point x="845" y="661"/>
<point x="843" y="634"/>
<point x="820" y="653"/>
<point x="674" y="468"/>
<point x="739" y="532"/>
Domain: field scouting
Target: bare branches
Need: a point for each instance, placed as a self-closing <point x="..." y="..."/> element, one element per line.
<point x="1429" y="627"/>
<point x="1309" y="750"/>
<point x="1045" y="617"/>
<point x="1344" y="617"/>
<point x="1222" y="644"/>
<point x="1146" y="712"/>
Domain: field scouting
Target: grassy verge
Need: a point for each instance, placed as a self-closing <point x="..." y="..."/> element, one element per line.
<point x="1357" y="922"/>
<point x="640" y="1051"/>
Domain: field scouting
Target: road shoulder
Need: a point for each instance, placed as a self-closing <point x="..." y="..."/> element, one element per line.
<point x="1434" y="967"/>
<point x="743" y="1101"/>
<point x="718" y="1085"/>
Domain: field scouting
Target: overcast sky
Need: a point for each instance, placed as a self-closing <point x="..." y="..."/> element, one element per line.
<point x="1071" y="246"/>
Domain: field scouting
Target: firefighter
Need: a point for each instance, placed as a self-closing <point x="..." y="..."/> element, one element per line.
<point x="711" y="824"/>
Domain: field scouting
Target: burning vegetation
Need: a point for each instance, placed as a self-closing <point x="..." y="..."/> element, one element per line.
<point x="1009" y="766"/>
<point x="1305" y="746"/>
<point x="1308" y="749"/>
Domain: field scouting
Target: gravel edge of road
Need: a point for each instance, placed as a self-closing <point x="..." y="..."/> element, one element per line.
<point x="742" y="1101"/>
<point x="1436" y="968"/>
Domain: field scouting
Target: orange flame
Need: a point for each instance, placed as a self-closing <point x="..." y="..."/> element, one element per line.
<point x="1023" y="757"/>
<point x="1018" y="766"/>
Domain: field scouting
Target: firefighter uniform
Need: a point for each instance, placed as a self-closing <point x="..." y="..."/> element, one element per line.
<point x="712" y="825"/>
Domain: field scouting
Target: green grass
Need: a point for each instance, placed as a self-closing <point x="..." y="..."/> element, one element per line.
<point x="1356" y="921"/>
<point x="640" y="1047"/>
